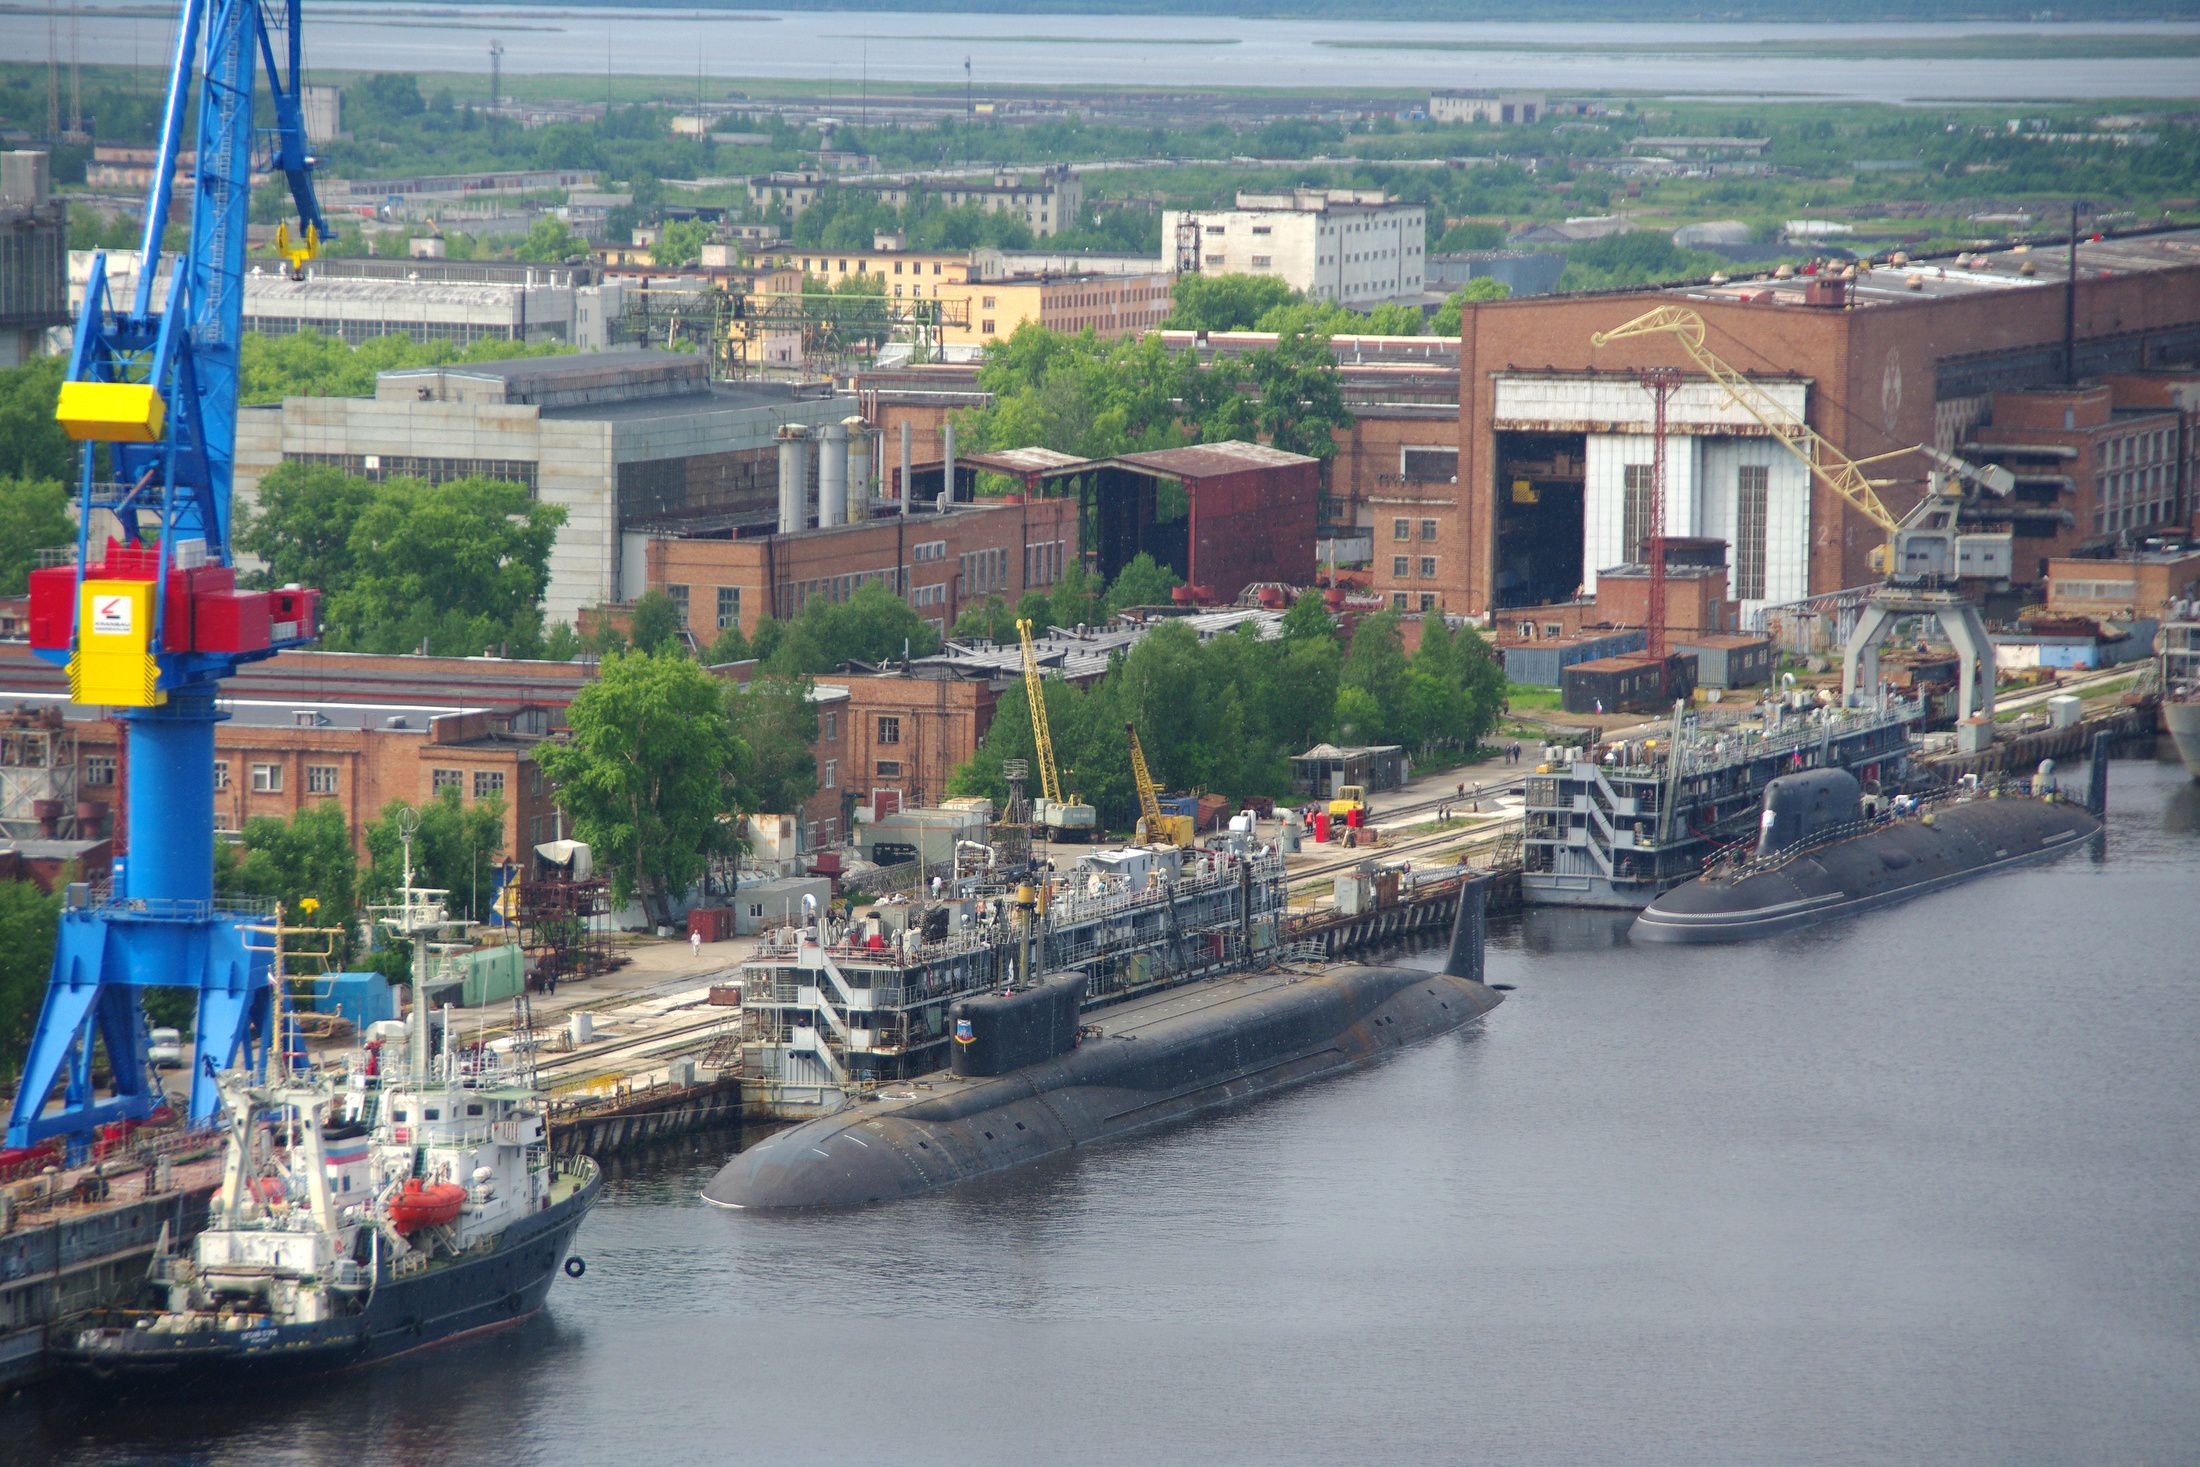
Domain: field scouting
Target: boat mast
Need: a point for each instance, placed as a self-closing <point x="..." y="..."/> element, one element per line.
<point x="416" y="1031"/>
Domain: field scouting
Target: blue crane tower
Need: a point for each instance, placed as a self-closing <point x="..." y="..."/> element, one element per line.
<point x="148" y="619"/>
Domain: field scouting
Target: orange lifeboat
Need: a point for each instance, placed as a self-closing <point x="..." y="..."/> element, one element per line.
<point x="418" y="1206"/>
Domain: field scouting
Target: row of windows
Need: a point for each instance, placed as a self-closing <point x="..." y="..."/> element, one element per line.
<point x="928" y="550"/>
<point x="2134" y="448"/>
<point x="267" y="779"/>
<point x="380" y="467"/>
<point x="1399" y="601"/>
<point x="488" y="783"/>
<point x="929" y="595"/>
<point x="981" y="571"/>
<point x="1043" y="563"/>
<point x="1402" y="529"/>
<point x="357" y="332"/>
<point x="840" y="588"/>
<point x="1399" y="563"/>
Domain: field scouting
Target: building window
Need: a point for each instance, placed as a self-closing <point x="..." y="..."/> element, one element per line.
<point x="985" y="327"/>
<point x="320" y="779"/>
<point x="1635" y="514"/>
<point x="1398" y="565"/>
<point x="267" y="779"/>
<point x="829" y="777"/>
<point x="679" y="598"/>
<point x="889" y="730"/>
<point x="1401" y="529"/>
<point x="1751" y="531"/>
<point x="440" y="780"/>
<point x="985" y="303"/>
<point x="99" y="769"/>
<point x="1428" y="567"/>
<point x="221" y="774"/>
<point x="889" y="769"/>
<point x="1397" y="601"/>
<point x="828" y="727"/>
<point x="488" y="784"/>
<point x="729" y="607"/>
<point x="1428" y="529"/>
<point x="1428" y="601"/>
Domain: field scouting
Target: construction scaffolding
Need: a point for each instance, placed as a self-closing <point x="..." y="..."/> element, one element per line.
<point x="38" y="775"/>
<point x="802" y="334"/>
<point x="565" y="929"/>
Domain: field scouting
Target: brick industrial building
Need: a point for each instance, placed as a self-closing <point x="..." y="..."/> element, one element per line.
<point x="1554" y="433"/>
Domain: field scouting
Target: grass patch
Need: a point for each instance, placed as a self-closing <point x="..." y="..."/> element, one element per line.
<point x="1530" y="698"/>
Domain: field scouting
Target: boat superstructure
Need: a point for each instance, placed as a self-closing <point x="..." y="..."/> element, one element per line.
<point x="834" y="1008"/>
<point x="402" y="1195"/>
<point x="2178" y="645"/>
<point x="1617" y="828"/>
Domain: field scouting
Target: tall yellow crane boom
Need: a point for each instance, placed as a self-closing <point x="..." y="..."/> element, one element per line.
<point x="1153" y="826"/>
<point x="1827" y="464"/>
<point x="1149" y="794"/>
<point x="1050" y="783"/>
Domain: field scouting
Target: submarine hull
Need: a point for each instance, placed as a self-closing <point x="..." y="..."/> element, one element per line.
<point x="1180" y="1054"/>
<point x="1875" y="869"/>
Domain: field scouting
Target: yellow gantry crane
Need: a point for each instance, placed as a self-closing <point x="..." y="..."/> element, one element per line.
<point x="1925" y="555"/>
<point x="1154" y="828"/>
<point x="1069" y="819"/>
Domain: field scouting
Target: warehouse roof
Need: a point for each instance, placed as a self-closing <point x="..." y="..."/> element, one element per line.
<point x="1970" y="272"/>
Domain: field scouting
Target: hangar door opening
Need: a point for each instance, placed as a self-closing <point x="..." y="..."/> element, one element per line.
<point x="1540" y="489"/>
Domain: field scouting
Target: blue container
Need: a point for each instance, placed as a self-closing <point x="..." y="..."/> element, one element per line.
<point x="363" y="998"/>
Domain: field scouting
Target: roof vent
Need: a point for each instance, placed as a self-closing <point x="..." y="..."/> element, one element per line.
<point x="396" y="720"/>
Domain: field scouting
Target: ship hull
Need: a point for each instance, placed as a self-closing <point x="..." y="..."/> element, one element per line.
<point x="1877" y="869"/>
<point x="2183" y="720"/>
<point x="1200" y="1048"/>
<point x="466" y="1296"/>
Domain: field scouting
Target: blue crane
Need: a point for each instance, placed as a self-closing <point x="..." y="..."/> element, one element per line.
<point x="148" y="619"/>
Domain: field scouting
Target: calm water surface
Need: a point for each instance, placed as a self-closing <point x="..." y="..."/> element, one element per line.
<point x="857" y="49"/>
<point x="1920" y="1188"/>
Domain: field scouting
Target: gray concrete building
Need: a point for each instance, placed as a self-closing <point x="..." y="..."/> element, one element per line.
<point x="619" y="440"/>
<point x="34" y="244"/>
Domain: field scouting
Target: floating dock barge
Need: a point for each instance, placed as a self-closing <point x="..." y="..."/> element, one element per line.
<point x="1617" y="831"/>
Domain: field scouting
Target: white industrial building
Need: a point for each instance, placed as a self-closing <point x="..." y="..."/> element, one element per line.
<point x="1356" y="247"/>
<point x="1725" y="477"/>
<point x="428" y="302"/>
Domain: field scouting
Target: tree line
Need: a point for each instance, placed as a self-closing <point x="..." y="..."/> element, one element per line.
<point x="1228" y="714"/>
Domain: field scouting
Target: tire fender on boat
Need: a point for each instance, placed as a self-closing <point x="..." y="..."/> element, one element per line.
<point x="575" y="1267"/>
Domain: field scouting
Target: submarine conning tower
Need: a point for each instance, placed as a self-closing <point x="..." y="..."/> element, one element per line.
<point x="1801" y="807"/>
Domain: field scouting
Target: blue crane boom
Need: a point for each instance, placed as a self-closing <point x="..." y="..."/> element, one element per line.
<point x="148" y="618"/>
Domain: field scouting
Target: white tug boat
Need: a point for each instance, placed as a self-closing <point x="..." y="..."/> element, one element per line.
<point x="406" y="1199"/>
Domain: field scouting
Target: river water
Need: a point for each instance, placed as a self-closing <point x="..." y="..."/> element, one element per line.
<point x="851" y="50"/>
<point x="1923" y="1187"/>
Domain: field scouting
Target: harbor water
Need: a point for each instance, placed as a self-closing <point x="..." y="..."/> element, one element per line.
<point x="1921" y="1187"/>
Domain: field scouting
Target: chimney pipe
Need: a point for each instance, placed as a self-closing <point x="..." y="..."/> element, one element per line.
<point x="859" y="470"/>
<point x="905" y="485"/>
<point x="794" y="478"/>
<point x="947" y="466"/>
<point x="832" y="477"/>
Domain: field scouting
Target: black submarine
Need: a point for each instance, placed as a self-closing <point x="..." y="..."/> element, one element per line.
<point x="1819" y="855"/>
<point x="1034" y="1074"/>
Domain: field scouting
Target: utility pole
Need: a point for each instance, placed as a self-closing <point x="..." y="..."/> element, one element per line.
<point x="2070" y="304"/>
<point x="970" y="111"/>
<point x="496" y="74"/>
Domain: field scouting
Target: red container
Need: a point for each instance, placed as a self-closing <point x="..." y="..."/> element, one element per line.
<point x="293" y="615"/>
<point x="52" y="592"/>
<point x="1321" y="827"/>
<point x="236" y="622"/>
<point x="712" y="924"/>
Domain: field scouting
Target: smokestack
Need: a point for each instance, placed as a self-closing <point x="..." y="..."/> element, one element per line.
<point x="832" y="477"/>
<point x="905" y="486"/>
<point x="947" y="467"/>
<point x="859" y="470"/>
<point x="794" y="477"/>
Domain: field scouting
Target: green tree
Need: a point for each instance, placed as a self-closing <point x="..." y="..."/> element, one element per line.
<point x="776" y="721"/>
<point x="309" y="364"/>
<point x="1300" y="393"/>
<point x="459" y="566"/>
<point x="1372" y="684"/>
<point x="873" y="625"/>
<point x="308" y="855"/>
<point x="655" y="623"/>
<point x="561" y="643"/>
<point x="650" y="775"/>
<point x="32" y="445"/>
<point x="28" y="921"/>
<point x="1446" y="321"/>
<point x="34" y="513"/>
<point x="1142" y="582"/>
<point x="456" y="847"/>
<point x="679" y="242"/>
<point x="549" y="241"/>
<point x="730" y="646"/>
<point x="1225" y="302"/>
